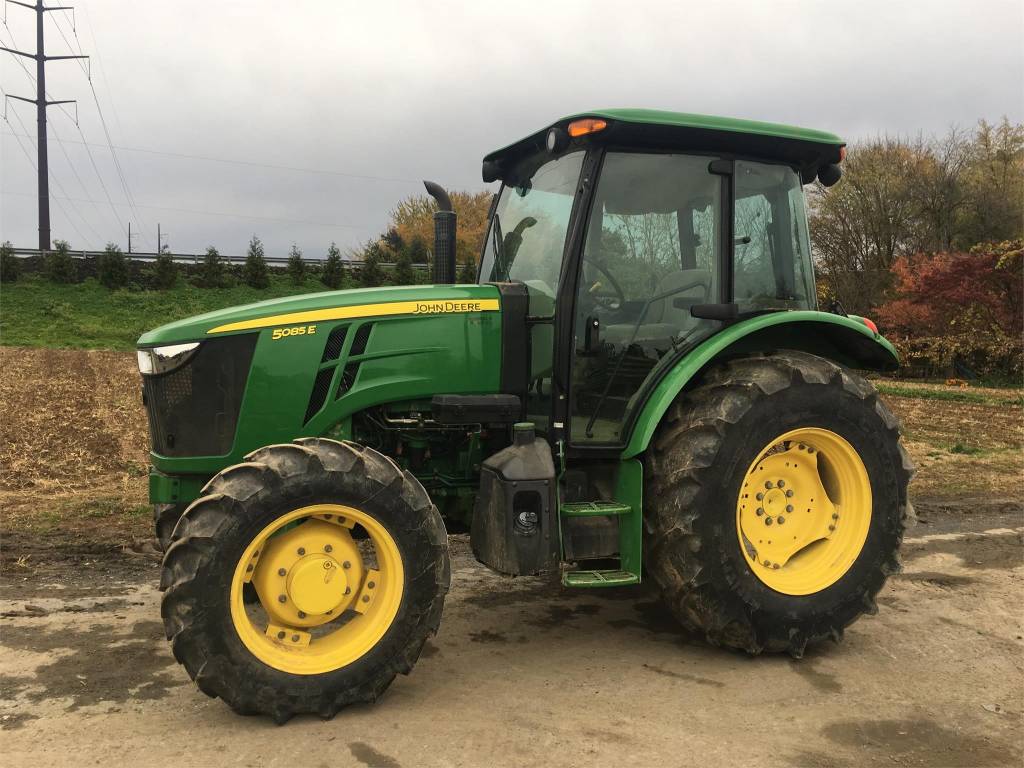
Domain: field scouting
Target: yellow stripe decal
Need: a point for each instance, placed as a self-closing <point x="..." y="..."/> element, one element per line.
<point x="433" y="307"/>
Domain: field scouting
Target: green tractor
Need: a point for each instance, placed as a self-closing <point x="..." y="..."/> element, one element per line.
<point x="640" y="386"/>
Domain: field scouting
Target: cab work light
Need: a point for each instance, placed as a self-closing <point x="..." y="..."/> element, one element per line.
<point x="587" y="125"/>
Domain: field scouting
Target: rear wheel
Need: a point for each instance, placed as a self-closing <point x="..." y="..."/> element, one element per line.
<point x="781" y="491"/>
<point x="348" y="562"/>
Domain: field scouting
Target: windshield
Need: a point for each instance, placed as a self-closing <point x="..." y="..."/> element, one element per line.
<point x="529" y="225"/>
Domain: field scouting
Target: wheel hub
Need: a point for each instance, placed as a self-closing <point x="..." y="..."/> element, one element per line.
<point x="790" y="506"/>
<point x="317" y="584"/>
<point x="309" y="574"/>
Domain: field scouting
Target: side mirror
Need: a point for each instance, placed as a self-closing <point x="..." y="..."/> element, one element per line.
<point x="829" y="174"/>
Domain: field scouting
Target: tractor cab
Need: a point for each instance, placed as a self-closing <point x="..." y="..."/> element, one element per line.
<point x="638" y="235"/>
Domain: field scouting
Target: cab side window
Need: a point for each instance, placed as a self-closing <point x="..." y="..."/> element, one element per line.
<point x="651" y="252"/>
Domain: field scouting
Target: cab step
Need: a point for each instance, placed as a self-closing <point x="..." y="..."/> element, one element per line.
<point x="599" y="578"/>
<point x="594" y="508"/>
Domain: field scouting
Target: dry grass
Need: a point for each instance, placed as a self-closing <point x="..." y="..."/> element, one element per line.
<point x="73" y="443"/>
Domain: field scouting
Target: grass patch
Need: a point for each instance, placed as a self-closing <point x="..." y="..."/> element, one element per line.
<point x="950" y="395"/>
<point x="967" y="450"/>
<point x="37" y="313"/>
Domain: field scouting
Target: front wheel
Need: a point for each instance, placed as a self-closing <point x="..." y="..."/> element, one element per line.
<point x="348" y="560"/>
<point x="781" y="499"/>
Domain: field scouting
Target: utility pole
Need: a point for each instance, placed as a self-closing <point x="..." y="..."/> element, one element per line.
<point x="159" y="239"/>
<point x="41" y="104"/>
<point x="129" y="237"/>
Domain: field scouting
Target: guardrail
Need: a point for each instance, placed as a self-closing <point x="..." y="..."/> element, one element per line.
<point x="197" y="258"/>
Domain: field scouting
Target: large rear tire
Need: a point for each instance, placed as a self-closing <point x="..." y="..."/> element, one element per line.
<point x="338" y="616"/>
<point x="756" y="564"/>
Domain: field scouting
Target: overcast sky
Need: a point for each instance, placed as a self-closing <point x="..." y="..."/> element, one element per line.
<point x="401" y="91"/>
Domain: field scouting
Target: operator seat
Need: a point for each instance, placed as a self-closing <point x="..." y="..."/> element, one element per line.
<point x="664" y="321"/>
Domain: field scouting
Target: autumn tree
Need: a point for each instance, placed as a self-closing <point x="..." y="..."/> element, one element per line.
<point x="902" y="196"/>
<point x="413" y="219"/>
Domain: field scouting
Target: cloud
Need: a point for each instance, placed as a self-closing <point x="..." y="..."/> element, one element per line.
<point x="410" y="90"/>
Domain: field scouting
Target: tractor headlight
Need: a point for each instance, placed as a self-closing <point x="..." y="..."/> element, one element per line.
<point x="157" y="360"/>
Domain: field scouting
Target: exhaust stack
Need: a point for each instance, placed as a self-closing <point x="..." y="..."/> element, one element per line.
<point x="445" y="222"/>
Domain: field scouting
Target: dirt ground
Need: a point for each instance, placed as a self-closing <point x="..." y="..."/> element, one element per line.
<point x="522" y="671"/>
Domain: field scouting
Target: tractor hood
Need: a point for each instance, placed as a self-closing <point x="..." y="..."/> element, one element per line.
<point x="323" y="307"/>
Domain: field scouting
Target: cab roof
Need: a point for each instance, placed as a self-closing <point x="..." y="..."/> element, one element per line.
<point x="656" y="129"/>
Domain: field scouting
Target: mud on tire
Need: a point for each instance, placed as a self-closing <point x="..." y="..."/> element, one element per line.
<point x="238" y="503"/>
<point x="693" y="471"/>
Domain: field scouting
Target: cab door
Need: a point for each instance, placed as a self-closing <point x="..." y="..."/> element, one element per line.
<point x="651" y="251"/>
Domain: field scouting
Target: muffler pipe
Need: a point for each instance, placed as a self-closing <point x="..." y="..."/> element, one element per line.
<point x="445" y="223"/>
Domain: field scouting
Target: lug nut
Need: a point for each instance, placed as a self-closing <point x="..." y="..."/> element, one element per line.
<point x="366" y="598"/>
<point x="302" y="551"/>
<point x="767" y="521"/>
<point x="295" y="638"/>
<point x="282" y="599"/>
<point x="280" y="635"/>
<point x="370" y="585"/>
<point x="831" y="527"/>
<point x="767" y="564"/>
<point x="775" y="566"/>
<point x="768" y="484"/>
<point x="302" y="614"/>
<point x="760" y="511"/>
<point x="781" y="519"/>
<point x="789" y="507"/>
<point x="281" y="571"/>
<point x="781" y="483"/>
<point x="802" y="447"/>
<point x="346" y="565"/>
<point x="328" y="548"/>
<point x="835" y="516"/>
<point x="789" y="493"/>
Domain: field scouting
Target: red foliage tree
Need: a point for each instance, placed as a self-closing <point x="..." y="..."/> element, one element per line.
<point x="955" y="293"/>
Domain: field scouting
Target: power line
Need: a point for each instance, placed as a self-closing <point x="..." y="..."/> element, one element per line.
<point x="254" y="164"/>
<point x="225" y="214"/>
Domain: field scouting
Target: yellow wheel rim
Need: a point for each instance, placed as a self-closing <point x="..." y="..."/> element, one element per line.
<point x="324" y="600"/>
<point x="803" y="511"/>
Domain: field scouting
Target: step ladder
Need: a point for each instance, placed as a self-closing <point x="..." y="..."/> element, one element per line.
<point x="628" y="516"/>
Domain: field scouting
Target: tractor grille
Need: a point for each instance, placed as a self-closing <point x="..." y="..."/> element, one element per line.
<point x="193" y="410"/>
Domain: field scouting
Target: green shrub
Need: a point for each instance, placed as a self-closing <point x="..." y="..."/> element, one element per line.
<point x="212" y="274"/>
<point x="60" y="267"/>
<point x="333" y="273"/>
<point x="467" y="274"/>
<point x="371" y="275"/>
<point x="255" y="273"/>
<point x="112" y="267"/>
<point x="10" y="265"/>
<point x="165" y="272"/>
<point x="296" y="266"/>
<point x="404" y="274"/>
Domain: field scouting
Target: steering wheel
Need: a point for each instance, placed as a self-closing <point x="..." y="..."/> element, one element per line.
<point x="612" y="300"/>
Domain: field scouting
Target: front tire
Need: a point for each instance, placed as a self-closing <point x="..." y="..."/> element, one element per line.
<point x="714" y="468"/>
<point x="338" y="615"/>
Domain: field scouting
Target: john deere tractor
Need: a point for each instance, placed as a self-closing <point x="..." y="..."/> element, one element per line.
<point x="640" y="385"/>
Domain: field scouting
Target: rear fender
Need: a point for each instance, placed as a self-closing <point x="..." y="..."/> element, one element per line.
<point x="845" y="340"/>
